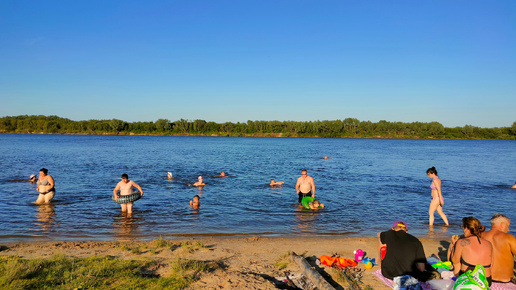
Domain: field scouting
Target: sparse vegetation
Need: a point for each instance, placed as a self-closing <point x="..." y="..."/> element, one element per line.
<point x="283" y="261"/>
<point x="61" y="272"/>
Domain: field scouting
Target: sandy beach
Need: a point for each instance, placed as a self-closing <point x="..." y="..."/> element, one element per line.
<point x="252" y="262"/>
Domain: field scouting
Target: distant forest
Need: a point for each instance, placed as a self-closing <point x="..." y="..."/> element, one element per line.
<point x="347" y="128"/>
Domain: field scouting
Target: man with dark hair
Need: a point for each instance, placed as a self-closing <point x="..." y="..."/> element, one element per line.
<point x="305" y="185"/>
<point x="405" y="254"/>
<point x="504" y="248"/>
<point x="126" y="188"/>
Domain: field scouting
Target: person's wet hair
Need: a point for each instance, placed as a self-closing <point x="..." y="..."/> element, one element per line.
<point x="196" y="196"/>
<point x="473" y="225"/>
<point x="44" y="170"/>
<point x="125" y="176"/>
<point x="431" y="170"/>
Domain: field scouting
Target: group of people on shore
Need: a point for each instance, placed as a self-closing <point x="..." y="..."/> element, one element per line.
<point x="494" y="250"/>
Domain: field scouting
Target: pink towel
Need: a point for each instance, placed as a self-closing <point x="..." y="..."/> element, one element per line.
<point x="388" y="282"/>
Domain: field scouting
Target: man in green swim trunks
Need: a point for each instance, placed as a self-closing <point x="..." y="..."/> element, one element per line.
<point x="126" y="188"/>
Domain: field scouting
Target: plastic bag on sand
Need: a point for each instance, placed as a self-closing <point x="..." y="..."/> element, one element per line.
<point x="406" y="282"/>
<point x="441" y="284"/>
<point x="472" y="280"/>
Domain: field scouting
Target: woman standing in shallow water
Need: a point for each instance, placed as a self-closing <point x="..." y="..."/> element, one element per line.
<point x="437" y="197"/>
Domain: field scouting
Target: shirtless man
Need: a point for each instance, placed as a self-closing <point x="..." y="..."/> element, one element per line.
<point x="200" y="182"/>
<point x="504" y="248"/>
<point x="126" y="188"/>
<point x="305" y="186"/>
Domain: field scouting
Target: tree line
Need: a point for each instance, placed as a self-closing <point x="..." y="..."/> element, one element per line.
<point x="347" y="128"/>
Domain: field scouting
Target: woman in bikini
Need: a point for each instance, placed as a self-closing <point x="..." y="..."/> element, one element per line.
<point x="45" y="187"/>
<point x="471" y="249"/>
<point x="437" y="197"/>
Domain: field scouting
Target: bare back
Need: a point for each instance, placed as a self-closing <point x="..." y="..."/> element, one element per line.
<point x="474" y="251"/>
<point x="504" y="250"/>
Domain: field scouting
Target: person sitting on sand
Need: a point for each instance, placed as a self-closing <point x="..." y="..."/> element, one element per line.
<point x="45" y="187"/>
<point x="471" y="249"/>
<point x="504" y="248"/>
<point x="195" y="203"/>
<point x="33" y="178"/>
<point x="405" y="254"/>
<point x="169" y="175"/>
<point x="276" y="183"/>
<point x="199" y="182"/>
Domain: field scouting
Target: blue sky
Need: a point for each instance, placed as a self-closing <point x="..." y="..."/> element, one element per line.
<point x="448" y="61"/>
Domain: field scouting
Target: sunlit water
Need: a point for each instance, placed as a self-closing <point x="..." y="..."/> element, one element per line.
<point x="365" y="185"/>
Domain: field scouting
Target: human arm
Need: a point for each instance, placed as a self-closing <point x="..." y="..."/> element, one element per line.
<point x="51" y="182"/>
<point x="313" y="187"/>
<point x="457" y="254"/>
<point x="437" y="183"/>
<point x="297" y="185"/>
<point x="115" y="191"/>
<point x="191" y="203"/>
<point x="139" y="188"/>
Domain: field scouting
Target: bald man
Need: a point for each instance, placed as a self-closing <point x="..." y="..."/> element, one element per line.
<point x="504" y="248"/>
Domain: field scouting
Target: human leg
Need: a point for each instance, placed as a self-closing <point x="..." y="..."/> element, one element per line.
<point x="41" y="199"/>
<point x="441" y="213"/>
<point x="129" y="207"/>
<point x="431" y="210"/>
<point x="49" y="196"/>
<point x="124" y="207"/>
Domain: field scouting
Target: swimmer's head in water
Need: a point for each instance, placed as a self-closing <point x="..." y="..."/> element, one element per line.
<point x="196" y="198"/>
<point x="316" y="203"/>
<point x="200" y="177"/>
<point x="222" y="173"/>
<point x="32" y="176"/>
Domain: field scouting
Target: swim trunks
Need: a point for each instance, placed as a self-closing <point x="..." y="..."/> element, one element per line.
<point x="301" y="195"/>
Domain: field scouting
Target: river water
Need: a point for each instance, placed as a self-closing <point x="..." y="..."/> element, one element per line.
<point x="365" y="185"/>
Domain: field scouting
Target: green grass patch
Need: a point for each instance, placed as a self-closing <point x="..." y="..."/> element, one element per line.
<point x="283" y="261"/>
<point x="61" y="272"/>
<point x="189" y="246"/>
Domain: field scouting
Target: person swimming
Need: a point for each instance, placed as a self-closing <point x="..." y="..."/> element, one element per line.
<point x="195" y="203"/>
<point x="276" y="183"/>
<point x="200" y="182"/>
<point x="169" y="175"/>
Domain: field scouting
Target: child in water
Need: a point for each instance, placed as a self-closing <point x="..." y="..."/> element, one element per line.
<point x="195" y="202"/>
<point x="309" y="202"/>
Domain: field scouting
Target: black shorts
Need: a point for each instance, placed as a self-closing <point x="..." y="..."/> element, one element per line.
<point x="301" y="195"/>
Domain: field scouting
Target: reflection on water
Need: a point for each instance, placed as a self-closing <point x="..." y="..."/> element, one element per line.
<point x="45" y="217"/>
<point x="126" y="225"/>
<point x="306" y="220"/>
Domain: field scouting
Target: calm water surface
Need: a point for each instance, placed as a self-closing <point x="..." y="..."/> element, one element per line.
<point x="365" y="185"/>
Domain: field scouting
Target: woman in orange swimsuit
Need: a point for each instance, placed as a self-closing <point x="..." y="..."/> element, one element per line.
<point x="437" y="197"/>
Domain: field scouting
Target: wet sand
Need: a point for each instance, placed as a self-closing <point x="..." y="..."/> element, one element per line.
<point x="241" y="262"/>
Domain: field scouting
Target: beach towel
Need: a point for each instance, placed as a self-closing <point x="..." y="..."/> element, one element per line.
<point x="390" y="283"/>
<point x="426" y="286"/>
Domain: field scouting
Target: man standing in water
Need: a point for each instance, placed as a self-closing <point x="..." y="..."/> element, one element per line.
<point x="126" y="188"/>
<point x="504" y="248"/>
<point x="305" y="186"/>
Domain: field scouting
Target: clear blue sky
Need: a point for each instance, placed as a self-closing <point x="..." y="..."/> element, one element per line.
<point x="448" y="61"/>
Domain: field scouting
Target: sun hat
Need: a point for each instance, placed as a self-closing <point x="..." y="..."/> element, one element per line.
<point x="32" y="175"/>
<point x="399" y="223"/>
